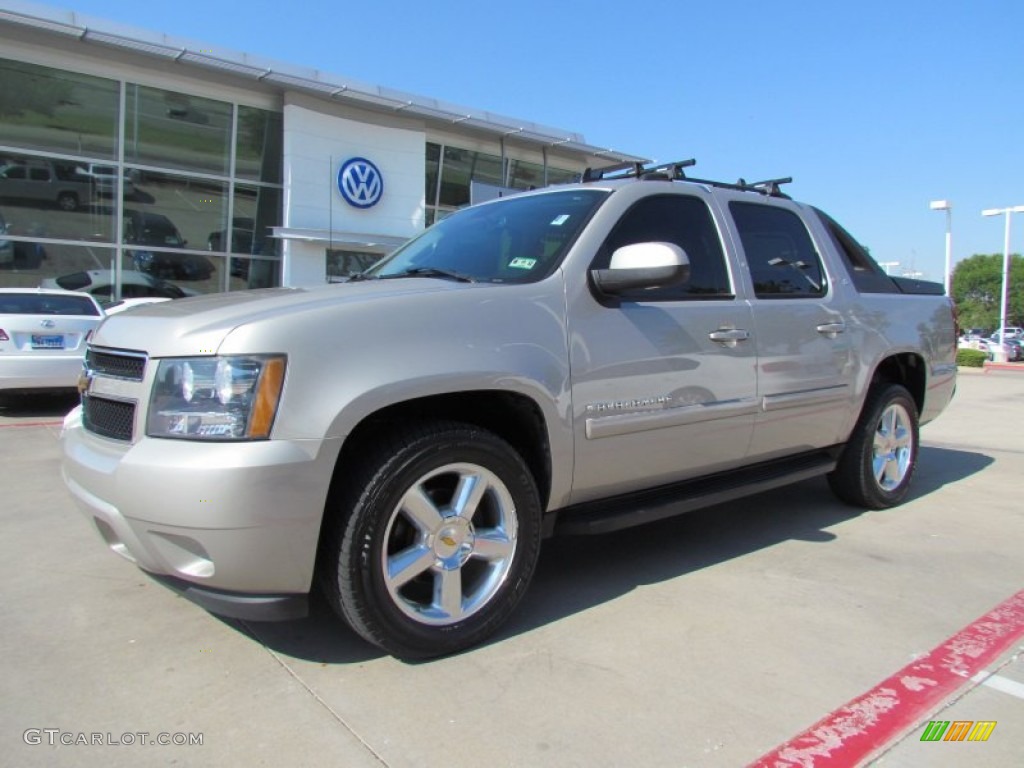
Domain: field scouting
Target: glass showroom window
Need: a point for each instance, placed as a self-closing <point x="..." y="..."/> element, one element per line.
<point x="450" y="171"/>
<point x="255" y="259"/>
<point x="56" y="197"/>
<point x="259" y="152"/>
<point x="460" y="167"/>
<point x="171" y="214"/>
<point x="52" y="110"/>
<point x="342" y="264"/>
<point x="177" y="131"/>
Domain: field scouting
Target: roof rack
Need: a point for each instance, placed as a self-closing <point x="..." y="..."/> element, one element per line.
<point x="658" y="171"/>
<point x="674" y="172"/>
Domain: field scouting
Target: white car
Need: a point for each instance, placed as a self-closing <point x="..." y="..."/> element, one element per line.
<point x="134" y="285"/>
<point x="126" y="304"/>
<point x="43" y="335"/>
<point x="1010" y="332"/>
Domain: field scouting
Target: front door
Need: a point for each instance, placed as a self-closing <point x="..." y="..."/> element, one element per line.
<point x="663" y="381"/>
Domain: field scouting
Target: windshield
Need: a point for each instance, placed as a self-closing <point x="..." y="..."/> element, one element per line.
<point x="513" y="240"/>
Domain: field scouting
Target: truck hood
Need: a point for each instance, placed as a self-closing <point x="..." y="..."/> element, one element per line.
<point x="198" y="326"/>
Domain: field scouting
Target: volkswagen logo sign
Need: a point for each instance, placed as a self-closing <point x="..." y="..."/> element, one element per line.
<point x="360" y="183"/>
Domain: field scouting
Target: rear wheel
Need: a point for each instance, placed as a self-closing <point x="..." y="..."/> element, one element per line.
<point x="68" y="201"/>
<point x="875" y="468"/>
<point x="434" y="542"/>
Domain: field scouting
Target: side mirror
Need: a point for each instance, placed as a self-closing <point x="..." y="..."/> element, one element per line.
<point x="642" y="265"/>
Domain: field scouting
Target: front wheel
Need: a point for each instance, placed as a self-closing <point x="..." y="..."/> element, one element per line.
<point x="434" y="541"/>
<point x="875" y="468"/>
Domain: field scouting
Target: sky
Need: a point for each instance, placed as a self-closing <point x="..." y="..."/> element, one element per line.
<point x="875" y="108"/>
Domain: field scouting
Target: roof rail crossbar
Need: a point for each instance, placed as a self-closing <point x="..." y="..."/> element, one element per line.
<point x="771" y="186"/>
<point x="674" y="172"/>
<point x="595" y="174"/>
<point x="670" y="171"/>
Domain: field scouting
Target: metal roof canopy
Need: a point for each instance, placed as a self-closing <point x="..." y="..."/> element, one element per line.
<point x="324" y="85"/>
<point x="334" y="238"/>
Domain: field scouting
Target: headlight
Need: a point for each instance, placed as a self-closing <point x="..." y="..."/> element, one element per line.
<point x="216" y="398"/>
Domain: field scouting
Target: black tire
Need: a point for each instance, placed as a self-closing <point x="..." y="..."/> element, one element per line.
<point x="400" y="507"/>
<point x="67" y="201"/>
<point x="876" y="466"/>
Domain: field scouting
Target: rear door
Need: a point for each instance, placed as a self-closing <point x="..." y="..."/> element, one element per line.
<point x="805" y="360"/>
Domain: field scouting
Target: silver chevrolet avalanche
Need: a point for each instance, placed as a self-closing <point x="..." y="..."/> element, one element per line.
<point x="576" y="359"/>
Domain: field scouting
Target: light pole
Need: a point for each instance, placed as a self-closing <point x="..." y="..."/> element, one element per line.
<point x="1006" y="264"/>
<point x="945" y="205"/>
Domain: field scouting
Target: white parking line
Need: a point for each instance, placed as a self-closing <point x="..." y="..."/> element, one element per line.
<point x="187" y="202"/>
<point x="999" y="683"/>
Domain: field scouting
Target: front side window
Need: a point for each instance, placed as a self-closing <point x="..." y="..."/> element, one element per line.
<point x="781" y="257"/>
<point x="512" y="240"/>
<point x="685" y="221"/>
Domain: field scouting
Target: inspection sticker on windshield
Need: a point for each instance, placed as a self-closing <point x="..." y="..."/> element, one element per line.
<point x="521" y="263"/>
<point x="560" y="220"/>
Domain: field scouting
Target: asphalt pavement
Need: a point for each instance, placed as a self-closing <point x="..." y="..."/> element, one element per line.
<point x="709" y="640"/>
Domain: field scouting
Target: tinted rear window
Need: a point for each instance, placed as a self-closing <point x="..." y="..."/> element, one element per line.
<point x="74" y="281"/>
<point x="46" y="304"/>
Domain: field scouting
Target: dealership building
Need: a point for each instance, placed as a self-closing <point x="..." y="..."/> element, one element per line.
<point x="133" y="163"/>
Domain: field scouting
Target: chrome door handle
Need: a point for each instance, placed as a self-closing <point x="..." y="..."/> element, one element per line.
<point x="831" y="329"/>
<point x="730" y="337"/>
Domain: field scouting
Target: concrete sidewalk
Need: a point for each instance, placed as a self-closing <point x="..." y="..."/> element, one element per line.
<point x="707" y="640"/>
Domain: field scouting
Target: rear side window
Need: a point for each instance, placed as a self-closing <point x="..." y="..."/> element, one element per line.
<point x="864" y="271"/>
<point x="685" y="221"/>
<point x="46" y="304"/>
<point x="780" y="254"/>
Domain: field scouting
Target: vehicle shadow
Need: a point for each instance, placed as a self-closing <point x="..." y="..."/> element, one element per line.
<point x="576" y="573"/>
<point x="321" y="637"/>
<point x="941" y="466"/>
<point x="53" y="405"/>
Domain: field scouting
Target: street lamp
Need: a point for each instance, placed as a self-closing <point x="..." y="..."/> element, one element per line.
<point x="945" y="205"/>
<point x="1006" y="264"/>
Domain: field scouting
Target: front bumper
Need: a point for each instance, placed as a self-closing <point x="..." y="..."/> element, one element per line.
<point x="231" y="524"/>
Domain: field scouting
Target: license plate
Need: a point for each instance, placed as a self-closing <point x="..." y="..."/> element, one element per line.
<point x="47" y="342"/>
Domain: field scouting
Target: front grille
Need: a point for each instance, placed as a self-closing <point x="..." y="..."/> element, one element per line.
<point x="122" y="366"/>
<point x="111" y="418"/>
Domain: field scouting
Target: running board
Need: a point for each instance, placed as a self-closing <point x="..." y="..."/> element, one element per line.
<point x="646" y="506"/>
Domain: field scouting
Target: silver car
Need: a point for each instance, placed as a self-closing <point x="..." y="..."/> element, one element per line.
<point x="43" y="334"/>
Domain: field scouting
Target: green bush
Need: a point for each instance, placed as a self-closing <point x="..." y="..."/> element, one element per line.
<point x="971" y="358"/>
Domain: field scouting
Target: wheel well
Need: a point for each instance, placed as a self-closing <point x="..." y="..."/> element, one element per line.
<point x="906" y="369"/>
<point x="512" y="417"/>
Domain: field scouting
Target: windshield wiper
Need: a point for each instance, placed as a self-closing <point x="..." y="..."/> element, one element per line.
<point x="446" y="274"/>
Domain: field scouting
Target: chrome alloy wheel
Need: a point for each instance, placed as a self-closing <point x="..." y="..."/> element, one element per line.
<point x="449" y="544"/>
<point x="893" y="448"/>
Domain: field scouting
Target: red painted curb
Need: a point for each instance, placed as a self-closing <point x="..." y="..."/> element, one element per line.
<point x="865" y="725"/>
<point x="1002" y="367"/>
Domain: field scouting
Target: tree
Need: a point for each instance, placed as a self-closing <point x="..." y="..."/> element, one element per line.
<point x="977" y="282"/>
